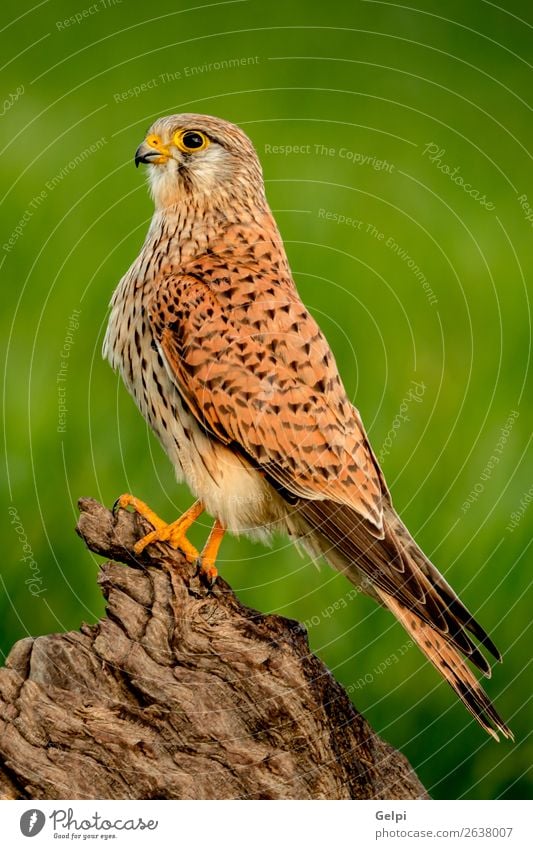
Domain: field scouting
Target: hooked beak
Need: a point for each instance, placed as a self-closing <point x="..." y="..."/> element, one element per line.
<point x="152" y="150"/>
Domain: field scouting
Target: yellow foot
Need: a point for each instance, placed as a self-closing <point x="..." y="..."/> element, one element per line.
<point x="173" y="533"/>
<point x="206" y="561"/>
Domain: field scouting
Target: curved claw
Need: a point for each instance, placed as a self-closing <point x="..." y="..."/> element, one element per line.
<point x="207" y="574"/>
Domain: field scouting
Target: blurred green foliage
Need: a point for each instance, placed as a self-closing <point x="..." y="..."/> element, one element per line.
<point x="363" y="88"/>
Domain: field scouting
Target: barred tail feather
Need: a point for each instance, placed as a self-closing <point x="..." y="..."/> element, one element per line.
<point x="445" y="591"/>
<point x="451" y="666"/>
<point x="396" y="572"/>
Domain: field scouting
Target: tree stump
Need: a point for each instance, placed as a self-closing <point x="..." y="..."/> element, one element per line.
<point x="181" y="693"/>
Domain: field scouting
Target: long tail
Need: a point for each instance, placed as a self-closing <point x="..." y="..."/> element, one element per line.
<point x="452" y="667"/>
<point x="395" y="571"/>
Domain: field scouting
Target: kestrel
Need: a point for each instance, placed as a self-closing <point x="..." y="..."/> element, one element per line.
<point x="235" y="377"/>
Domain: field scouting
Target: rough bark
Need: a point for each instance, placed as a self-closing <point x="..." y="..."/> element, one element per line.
<point x="181" y="693"/>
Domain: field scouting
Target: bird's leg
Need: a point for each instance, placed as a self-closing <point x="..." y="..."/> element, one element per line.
<point x="207" y="559"/>
<point x="173" y="533"/>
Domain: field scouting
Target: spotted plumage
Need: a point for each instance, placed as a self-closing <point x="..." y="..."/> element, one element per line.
<point x="235" y="377"/>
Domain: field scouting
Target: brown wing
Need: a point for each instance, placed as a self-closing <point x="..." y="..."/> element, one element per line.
<point x="256" y="372"/>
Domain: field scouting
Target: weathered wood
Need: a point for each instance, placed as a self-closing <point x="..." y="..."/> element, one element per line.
<point x="181" y="693"/>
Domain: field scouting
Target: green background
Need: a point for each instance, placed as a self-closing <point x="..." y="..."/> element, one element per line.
<point x="376" y="79"/>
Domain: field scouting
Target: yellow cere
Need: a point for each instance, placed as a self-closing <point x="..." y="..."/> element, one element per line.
<point x="155" y="142"/>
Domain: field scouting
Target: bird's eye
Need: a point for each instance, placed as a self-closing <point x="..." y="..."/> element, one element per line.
<point x="191" y="141"/>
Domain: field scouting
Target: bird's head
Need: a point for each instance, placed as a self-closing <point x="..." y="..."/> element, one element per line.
<point x="197" y="158"/>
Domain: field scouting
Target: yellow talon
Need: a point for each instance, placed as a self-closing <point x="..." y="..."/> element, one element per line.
<point x="140" y="507"/>
<point x="173" y="532"/>
<point x="207" y="559"/>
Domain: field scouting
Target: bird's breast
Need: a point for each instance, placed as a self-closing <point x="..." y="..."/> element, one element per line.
<point x="231" y="489"/>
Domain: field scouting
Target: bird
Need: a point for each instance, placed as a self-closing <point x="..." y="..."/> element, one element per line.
<point x="238" y="382"/>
